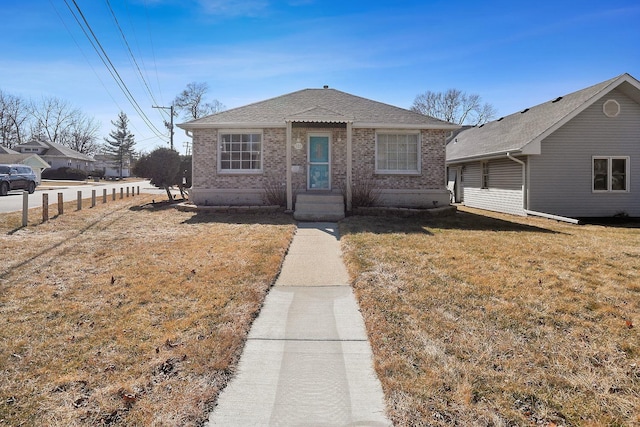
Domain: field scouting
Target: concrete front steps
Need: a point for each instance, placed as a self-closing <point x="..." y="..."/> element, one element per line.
<point x="319" y="207"/>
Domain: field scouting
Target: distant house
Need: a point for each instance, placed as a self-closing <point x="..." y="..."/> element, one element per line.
<point x="9" y="156"/>
<point x="110" y="167"/>
<point x="56" y="155"/>
<point x="318" y="146"/>
<point x="575" y="156"/>
<point x="6" y="150"/>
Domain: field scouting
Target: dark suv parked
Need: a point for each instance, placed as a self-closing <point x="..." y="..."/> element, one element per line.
<point x="17" y="177"/>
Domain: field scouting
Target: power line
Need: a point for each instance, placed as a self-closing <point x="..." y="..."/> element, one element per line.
<point x="83" y="54"/>
<point x="141" y="56"/>
<point x="170" y="124"/>
<point x="104" y="57"/>
<point x="115" y="19"/>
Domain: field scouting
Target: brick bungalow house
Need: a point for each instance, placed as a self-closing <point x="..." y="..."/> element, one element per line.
<point x="318" y="146"/>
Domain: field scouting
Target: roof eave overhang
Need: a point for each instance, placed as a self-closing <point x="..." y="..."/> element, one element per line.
<point x="283" y="124"/>
<point x="38" y="160"/>
<point x="489" y="156"/>
<point x="438" y="126"/>
<point x="62" y="156"/>
<point x="230" y="125"/>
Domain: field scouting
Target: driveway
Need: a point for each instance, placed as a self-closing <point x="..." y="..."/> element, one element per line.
<point x="13" y="201"/>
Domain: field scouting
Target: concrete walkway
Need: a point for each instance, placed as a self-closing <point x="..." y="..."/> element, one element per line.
<point x="307" y="361"/>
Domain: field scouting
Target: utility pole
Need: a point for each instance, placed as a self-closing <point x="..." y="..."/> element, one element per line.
<point x="187" y="145"/>
<point x="171" y="123"/>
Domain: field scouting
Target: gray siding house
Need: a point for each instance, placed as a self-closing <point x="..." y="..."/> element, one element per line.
<point x="111" y="167"/>
<point x="575" y="156"/>
<point x="57" y="155"/>
<point x="318" y="146"/>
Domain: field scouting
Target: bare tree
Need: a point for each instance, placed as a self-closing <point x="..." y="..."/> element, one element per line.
<point x="454" y="106"/>
<point x="52" y="118"/>
<point x="14" y="116"/>
<point x="192" y="104"/>
<point x="57" y="121"/>
<point x="83" y="134"/>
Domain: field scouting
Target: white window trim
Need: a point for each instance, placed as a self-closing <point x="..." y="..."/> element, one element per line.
<point x="610" y="174"/>
<point x="484" y="165"/>
<point x="416" y="172"/>
<point x="239" y="171"/>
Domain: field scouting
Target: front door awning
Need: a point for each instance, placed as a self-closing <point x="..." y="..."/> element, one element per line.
<point x="318" y="115"/>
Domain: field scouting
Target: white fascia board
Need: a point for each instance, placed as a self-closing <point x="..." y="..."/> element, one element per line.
<point x="404" y="126"/>
<point x="491" y="156"/>
<point x="532" y="148"/>
<point x="231" y="125"/>
<point x="253" y="125"/>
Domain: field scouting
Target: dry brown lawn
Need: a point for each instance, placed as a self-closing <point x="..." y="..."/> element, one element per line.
<point x="484" y="319"/>
<point x="128" y="315"/>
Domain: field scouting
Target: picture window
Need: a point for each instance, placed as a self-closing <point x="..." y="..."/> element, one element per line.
<point x="240" y="152"/>
<point x="397" y="153"/>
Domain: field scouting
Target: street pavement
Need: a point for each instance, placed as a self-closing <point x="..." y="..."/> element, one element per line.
<point x="307" y="360"/>
<point x="13" y="201"/>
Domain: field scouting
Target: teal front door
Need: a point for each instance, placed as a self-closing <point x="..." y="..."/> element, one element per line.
<point x="319" y="170"/>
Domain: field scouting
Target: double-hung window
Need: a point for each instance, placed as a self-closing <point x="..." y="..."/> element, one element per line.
<point x="397" y="153"/>
<point x="240" y="152"/>
<point x="610" y="174"/>
<point x="485" y="175"/>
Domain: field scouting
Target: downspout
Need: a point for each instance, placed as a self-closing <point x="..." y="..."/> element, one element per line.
<point x="524" y="181"/>
<point x="525" y="199"/>
<point x="190" y="135"/>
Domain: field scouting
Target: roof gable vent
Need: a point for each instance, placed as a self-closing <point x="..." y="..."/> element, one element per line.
<point x="556" y="100"/>
<point x="611" y="108"/>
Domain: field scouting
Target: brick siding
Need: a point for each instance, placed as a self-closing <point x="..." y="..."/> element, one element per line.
<point x="206" y="176"/>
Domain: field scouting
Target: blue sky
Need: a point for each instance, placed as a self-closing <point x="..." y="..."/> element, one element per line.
<point x="513" y="54"/>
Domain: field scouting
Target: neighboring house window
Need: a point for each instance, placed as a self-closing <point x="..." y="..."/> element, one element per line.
<point x="485" y="174"/>
<point x="610" y="174"/>
<point x="397" y="153"/>
<point x="240" y="152"/>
